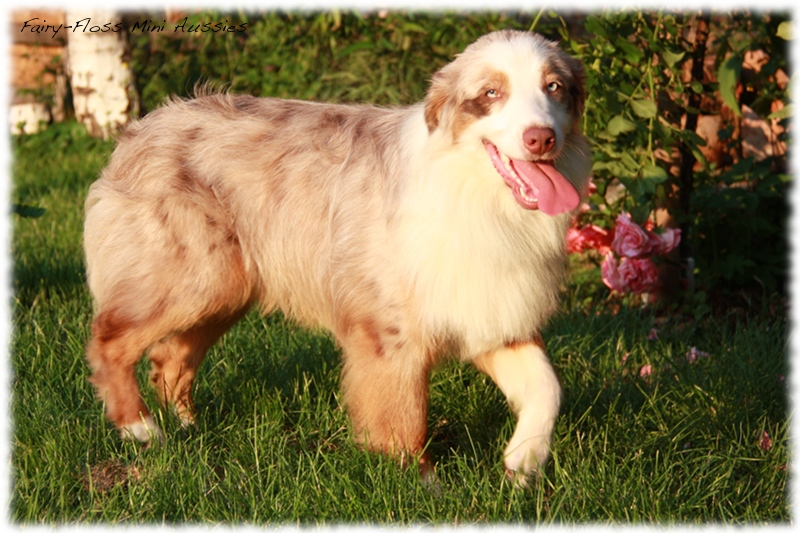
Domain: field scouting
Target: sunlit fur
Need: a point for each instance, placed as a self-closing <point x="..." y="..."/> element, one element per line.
<point x="388" y="227"/>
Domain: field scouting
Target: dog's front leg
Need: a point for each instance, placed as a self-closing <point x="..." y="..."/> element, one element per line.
<point x="524" y="374"/>
<point x="385" y="386"/>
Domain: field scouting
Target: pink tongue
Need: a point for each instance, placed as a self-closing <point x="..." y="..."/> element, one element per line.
<point x="556" y="194"/>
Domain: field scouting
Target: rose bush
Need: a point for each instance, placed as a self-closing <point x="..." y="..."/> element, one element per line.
<point x="627" y="252"/>
<point x="651" y="76"/>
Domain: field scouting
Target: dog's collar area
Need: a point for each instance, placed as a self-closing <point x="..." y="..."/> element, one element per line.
<point x="535" y="184"/>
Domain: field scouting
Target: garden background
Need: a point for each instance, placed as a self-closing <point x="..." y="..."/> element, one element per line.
<point x="675" y="405"/>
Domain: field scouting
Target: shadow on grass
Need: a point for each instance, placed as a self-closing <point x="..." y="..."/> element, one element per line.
<point x="36" y="278"/>
<point x="713" y="386"/>
<point x="272" y="367"/>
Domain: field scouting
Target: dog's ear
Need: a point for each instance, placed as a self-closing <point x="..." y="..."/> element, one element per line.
<point x="435" y="100"/>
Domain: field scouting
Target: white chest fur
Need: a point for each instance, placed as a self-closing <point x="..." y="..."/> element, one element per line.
<point x="483" y="269"/>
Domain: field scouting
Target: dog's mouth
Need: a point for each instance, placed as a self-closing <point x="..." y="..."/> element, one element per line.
<point x="535" y="184"/>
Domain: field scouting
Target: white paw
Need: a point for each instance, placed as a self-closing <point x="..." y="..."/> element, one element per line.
<point x="144" y="431"/>
<point x="529" y="448"/>
<point x="527" y="456"/>
<point x="526" y="460"/>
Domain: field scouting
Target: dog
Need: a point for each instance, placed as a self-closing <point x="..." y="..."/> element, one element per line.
<point x="412" y="234"/>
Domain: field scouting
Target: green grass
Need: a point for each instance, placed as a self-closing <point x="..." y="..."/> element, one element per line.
<point x="272" y="444"/>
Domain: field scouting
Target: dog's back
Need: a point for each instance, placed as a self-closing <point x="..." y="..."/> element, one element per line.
<point x="200" y="187"/>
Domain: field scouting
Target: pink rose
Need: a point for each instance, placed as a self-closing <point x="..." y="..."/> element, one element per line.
<point x="635" y="271"/>
<point x="598" y="238"/>
<point x="610" y="272"/>
<point x="590" y="236"/>
<point x="630" y="240"/>
<point x="630" y="275"/>
<point x="638" y="275"/>
<point x="665" y="242"/>
<point x="575" y="241"/>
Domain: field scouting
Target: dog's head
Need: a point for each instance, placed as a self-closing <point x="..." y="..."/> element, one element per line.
<point x="518" y="96"/>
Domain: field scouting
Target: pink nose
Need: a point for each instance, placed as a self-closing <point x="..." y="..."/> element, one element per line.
<point x="538" y="140"/>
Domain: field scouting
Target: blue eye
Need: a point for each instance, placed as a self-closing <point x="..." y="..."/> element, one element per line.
<point x="493" y="93"/>
<point x="553" y="86"/>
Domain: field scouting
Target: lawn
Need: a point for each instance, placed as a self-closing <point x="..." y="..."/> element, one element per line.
<point x="666" y="419"/>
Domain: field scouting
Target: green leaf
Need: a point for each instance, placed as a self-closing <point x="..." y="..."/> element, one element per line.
<point x="671" y="57"/>
<point x="620" y="124"/>
<point x="639" y="213"/>
<point x="784" y="112"/>
<point x="654" y="173"/>
<point x="614" y="168"/>
<point x="641" y="188"/>
<point x="644" y="108"/>
<point x="740" y="171"/>
<point x="632" y="53"/>
<point x="700" y="157"/>
<point x="638" y="187"/>
<point x="785" y="30"/>
<point x="691" y="138"/>
<point x="629" y="161"/>
<point x="595" y="26"/>
<point x="28" y="211"/>
<point x="628" y="183"/>
<point x="728" y="77"/>
<point x="597" y="199"/>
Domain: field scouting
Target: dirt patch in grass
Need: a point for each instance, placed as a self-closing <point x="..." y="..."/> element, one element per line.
<point x="106" y="475"/>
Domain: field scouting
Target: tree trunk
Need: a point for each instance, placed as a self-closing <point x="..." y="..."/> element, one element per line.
<point x="103" y="93"/>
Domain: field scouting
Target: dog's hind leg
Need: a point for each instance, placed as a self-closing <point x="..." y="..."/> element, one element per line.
<point x="385" y="388"/>
<point x="166" y="274"/>
<point x="524" y="374"/>
<point x="176" y="359"/>
<point x="117" y="344"/>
